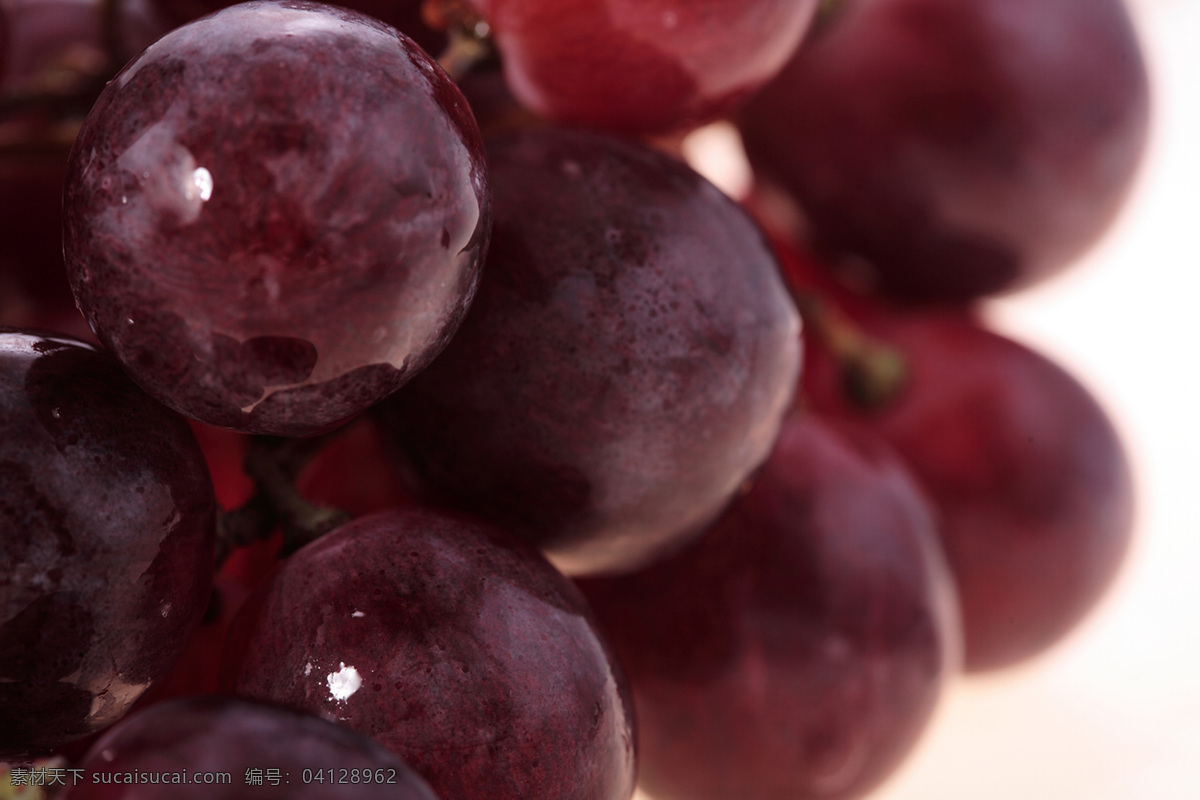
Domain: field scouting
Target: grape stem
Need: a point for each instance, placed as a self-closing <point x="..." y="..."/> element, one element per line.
<point x="274" y="463"/>
<point x="469" y="36"/>
<point x="873" y="372"/>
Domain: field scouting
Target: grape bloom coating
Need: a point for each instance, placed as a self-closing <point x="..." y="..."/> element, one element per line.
<point x="106" y="541"/>
<point x="451" y="643"/>
<point x="626" y="365"/>
<point x="275" y="216"/>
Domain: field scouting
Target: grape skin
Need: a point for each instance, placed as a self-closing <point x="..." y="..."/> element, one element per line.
<point x="453" y="644"/>
<point x="275" y="216"/>
<point x="1030" y="479"/>
<point x="959" y="149"/>
<point x="106" y="536"/>
<point x="235" y="736"/>
<point x="626" y="364"/>
<point x="798" y="649"/>
<point x="641" y="66"/>
<point x="402" y="14"/>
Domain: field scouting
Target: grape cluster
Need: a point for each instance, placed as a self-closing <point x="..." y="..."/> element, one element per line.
<point x="376" y="349"/>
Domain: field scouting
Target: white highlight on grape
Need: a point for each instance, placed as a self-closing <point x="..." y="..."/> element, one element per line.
<point x="308" y="668"/>
<point x="344" y="682"/>
<point x="170" y="183"/>
<point x="203" y="181"/>
<point x="358" y="614"/>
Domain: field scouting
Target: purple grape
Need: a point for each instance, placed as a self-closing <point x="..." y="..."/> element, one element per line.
<point x="275" y="216"/>
<point x="268" y="753"/>
<point x="403" y="14"/>
<point x="797" y="650"/>
<point x="106" y="537"/>
<point x="1031" y="481"/>
<point x="453" y="644"/>
<point x="958" y="148"/>
<point x="627" y="362"/>
<point x="642" y="66"/>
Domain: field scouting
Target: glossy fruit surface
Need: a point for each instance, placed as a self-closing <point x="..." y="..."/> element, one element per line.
<point x="275" y="216"/>
<point x="1030" y="479"/>
<point x="402" y="14"/>
<point x="106" y="541"/>
<point x="641" y="65"/>
<point x="957" y="148"/>
<point x="625" y="366"/>
<point x="453" y="644"/>
<point x="797" y="650"/>
<point x="256" y="750"/>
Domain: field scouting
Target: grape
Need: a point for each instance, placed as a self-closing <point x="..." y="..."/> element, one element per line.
<point x="275" y="216"/>
<point x="310" y="758"/>
<point x="403" y="14"/>
<point x="626" y="364"/>
<point x="455" y="646"/>
<point x="641" y="65"/>
<point x="1029" y="477"/>
<point x="106" y="536"/>
<point x="797" y="650"/>
<point x="957" y="148"/>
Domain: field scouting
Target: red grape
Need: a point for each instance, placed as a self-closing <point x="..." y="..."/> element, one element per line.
<point x="453" y="644"/>
<point x="642" y="65"/>
<point x="626" y="363"/>
<point x="958" y="148"/>
<point x="275" y="216"/>
<point x="1029" y="476"/>
<point x="232" y="749"/>
<point x="106" y="536"/>
<point x="797" y="650"/>
<point x="403" y="14"/>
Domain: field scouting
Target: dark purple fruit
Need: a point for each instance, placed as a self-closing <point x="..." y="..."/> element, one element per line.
<point x="957" y="149"/>
<point x="797" y="650"/>
<point x="626" y="364"/>
<point x="1031" y="481"/>
<point x="453" y="644"/>
<point x="217" y="748"/>
<point x="106" y="541"/>
<point x="275" y="216"/>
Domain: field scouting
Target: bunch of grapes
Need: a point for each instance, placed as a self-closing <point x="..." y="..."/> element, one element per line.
<point x="432" y="429"/>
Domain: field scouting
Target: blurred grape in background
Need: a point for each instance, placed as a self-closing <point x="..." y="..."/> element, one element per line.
<point x="1113" y="713"/>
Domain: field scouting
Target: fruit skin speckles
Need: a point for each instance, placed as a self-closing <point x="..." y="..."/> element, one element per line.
<point x="106" y="536"/>
<point x="625" y="365"/>
<point x="478" y="663"/>
<point x="249" y="183"/>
